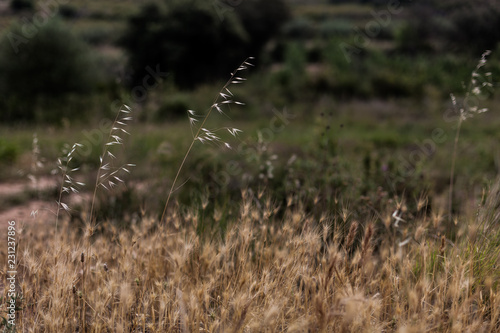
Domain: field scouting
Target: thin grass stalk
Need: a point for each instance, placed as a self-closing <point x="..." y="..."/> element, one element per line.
<point x="83" y="320"/>
<point x="175" y="179"/>
<point x="60" y="194"/>
<point x="112" y="139"/>
<point x="71" y="185"/>
<point x="467" y="111"/>
<point x="101" y="161"/>
<point x="452" y="172"/>
<point x="198" y="132"/>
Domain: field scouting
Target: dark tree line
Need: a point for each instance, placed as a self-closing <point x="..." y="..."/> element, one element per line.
<point x="198" y="41"/>
<point x="42" y="63"/>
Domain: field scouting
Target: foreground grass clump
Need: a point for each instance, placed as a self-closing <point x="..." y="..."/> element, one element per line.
<point x="265" y="273"/>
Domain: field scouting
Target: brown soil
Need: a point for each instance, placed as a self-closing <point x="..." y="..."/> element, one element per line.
<point x="33" y="211"/>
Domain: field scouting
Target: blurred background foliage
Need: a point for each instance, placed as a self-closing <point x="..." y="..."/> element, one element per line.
<point x="363" y="84"/>
<point x="187" y="39"/>
<point x="53" y="64"/>
<point x="53" y="53"/>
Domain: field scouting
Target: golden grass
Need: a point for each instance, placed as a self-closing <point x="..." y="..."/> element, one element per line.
<point x="274" y="269"/>
<point x="266" y="273"/>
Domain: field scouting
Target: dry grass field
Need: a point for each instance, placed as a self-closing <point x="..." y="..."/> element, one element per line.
<point x="257" y="264"/>
<point x="275" y="269"/>
<point x="316" y="193"/>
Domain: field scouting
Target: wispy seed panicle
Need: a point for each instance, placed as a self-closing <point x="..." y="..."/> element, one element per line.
<point x="65" y="206"/>
<point x="468" y="108"/>
<point x="218" y="108"/>
<point x="479" y="85"/>
<point x="107" y="171"/>
<point x="202" y="134"/>
<point x="234" y="131"/>
<point x="192" y="121"/>
<point x="68" y="183"/>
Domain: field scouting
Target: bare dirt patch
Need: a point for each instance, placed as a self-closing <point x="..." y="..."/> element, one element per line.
<point x="32" y="211"/>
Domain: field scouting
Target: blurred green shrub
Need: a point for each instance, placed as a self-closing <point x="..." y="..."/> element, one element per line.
<point x="374" y="2"/>
<point x="20" y="5"/>
<point x="99" y="34"/>
<point x="389" y="84"/>
<point x="68" y="11"/>
<point x="174" y="107"/>
<point x="187" y="39"/>
<point x="296" y="59"/>
<point x="8" y="151"/>
<point x="456" y="25"/>
<point x="291" y="78"/>
<point x="300" y="28"/>
<point x="476" y="25"/>
<point x="416" y="33"/>
<point x="47" y="65"/>
<point x="194" y="41"/>
<point x="335" y="27"/>
<point x="261" y="19"/>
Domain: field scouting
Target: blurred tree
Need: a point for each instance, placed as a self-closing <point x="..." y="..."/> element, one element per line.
<point x="198" y="41"/>
<point x="476" y="25"/>
<point x="374" y="2"/>
<point x="299" y="28"/>
<point x="47" y="64"/>
<point x="416" y="33"/>
<point x="262" y="19"/>
<point x="458" y="25"/>
<point x="185" y="38"/>
<point x="19" y="5"/>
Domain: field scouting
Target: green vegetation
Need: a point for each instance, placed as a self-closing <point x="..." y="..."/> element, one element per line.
<point x="355" y="198"/>
<point x="8" y="151"/>
<point x="144" y="54"/>
<point x="20" y="5"/>
<point x="176" y="37"/>
<point x="52" y="49"/>
<point x="176" y="41"/>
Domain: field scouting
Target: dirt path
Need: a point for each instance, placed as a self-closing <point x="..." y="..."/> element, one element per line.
<point x="17" y="202"/>
<point x="32" y="211"/>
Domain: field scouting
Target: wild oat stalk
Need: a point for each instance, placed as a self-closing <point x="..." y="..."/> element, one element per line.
<point x="68" y="183"/>
<point x="107" y="175"/>
<point x="205" y="135"/>
<point x="107" y="178"/>
<point x="476" y="89"/>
